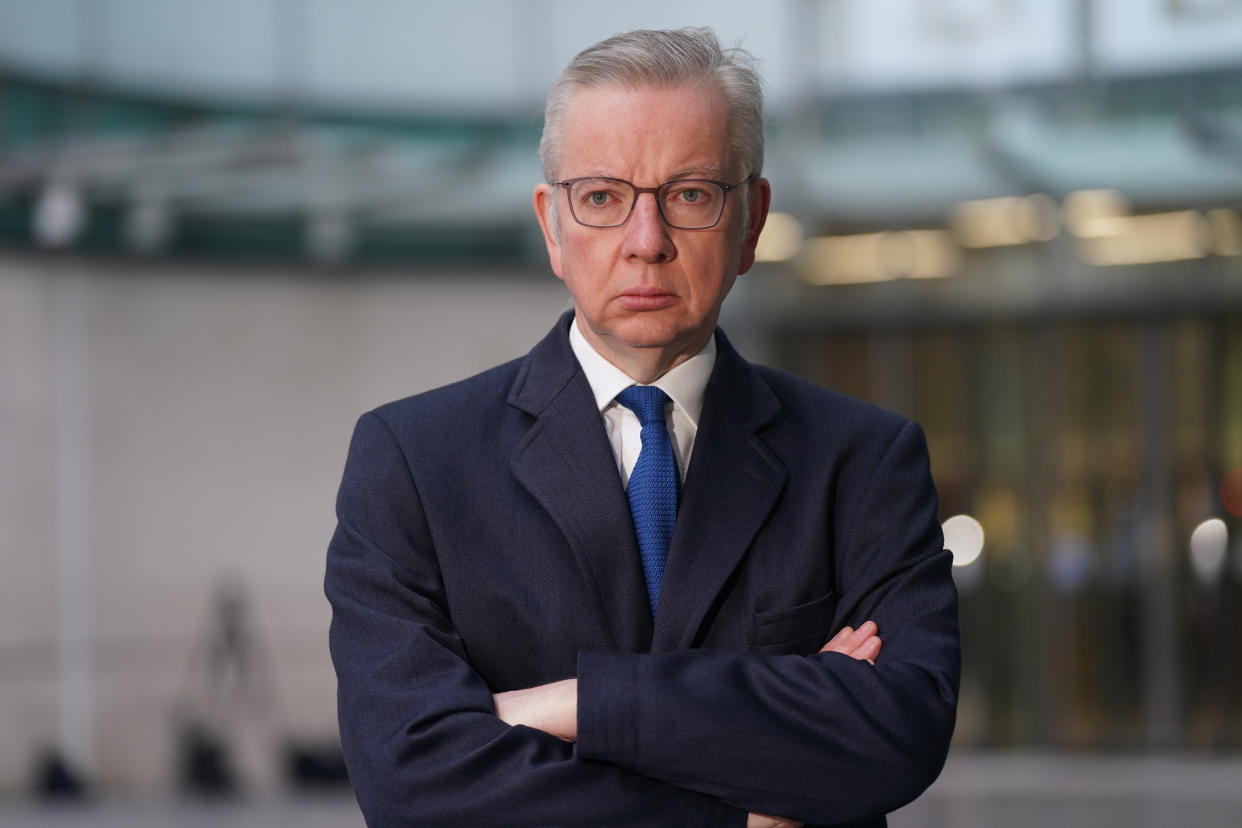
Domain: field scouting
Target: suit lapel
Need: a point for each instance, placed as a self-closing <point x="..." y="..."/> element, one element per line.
<point x="731" y="486"/>
<point x="567" y="464"/>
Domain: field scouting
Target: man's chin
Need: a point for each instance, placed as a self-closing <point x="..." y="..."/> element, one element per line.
<point x="656" y="337"/>
<point x="647" y="330"/>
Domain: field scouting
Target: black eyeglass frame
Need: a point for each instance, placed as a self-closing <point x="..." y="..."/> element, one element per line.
<point x="655" y="191"/>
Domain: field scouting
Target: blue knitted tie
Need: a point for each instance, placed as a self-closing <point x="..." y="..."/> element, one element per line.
<point x="653" y="484"/>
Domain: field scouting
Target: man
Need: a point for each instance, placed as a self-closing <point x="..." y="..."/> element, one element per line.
<point x="522" y="641"/>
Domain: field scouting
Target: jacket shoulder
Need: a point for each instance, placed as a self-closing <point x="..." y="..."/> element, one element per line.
<point x="452" y="405"/>
<point x="805" y="401"/>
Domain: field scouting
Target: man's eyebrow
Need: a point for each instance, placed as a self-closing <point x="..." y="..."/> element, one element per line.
<point x="705" y="171"/>
<point x="701" y="171"/>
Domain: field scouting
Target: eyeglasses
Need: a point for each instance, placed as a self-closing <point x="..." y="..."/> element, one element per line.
<point x="686" y="203"/>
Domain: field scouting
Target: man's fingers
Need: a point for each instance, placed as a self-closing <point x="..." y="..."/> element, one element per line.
<point x="869" y="649"/>
<point x="863" y="643"/>
<point x="837" y="641"/>
<point x="867" y="630"/>
<point x="866" y="651"/>
<point x="848" y="639"/>
<point x="754" y="820"/>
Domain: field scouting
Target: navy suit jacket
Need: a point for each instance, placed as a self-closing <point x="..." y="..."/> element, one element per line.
<point x="485" y="544"/>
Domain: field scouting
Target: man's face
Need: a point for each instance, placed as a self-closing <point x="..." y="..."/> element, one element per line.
<point x="646" y="293"/>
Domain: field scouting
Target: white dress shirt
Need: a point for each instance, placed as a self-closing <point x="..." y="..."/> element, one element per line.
<point x="685" y="386"/>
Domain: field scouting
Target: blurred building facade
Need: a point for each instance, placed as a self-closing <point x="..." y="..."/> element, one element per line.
<point x="1018" y="222"/>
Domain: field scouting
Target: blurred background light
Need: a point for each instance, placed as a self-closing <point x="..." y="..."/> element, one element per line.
<point x="1109" y="235"/>
<point x="781" y="239"/>
<point x="1209" y="545"/>
<point x="830" y="260"/>
<point x="1092" y="213"/>
<point x="59" y="216"/>
<point x="879" y="257"/>
<point x="963" y="536"/>
<point x="1226" y="231"/>
<point x="933" y="253"/>
<point x="1005" y="221"/>
<point x="1147" y="239"/>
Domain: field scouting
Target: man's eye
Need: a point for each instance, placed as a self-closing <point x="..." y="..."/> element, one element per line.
<point x="599" y="198"/>
<point x="687" y="196"/>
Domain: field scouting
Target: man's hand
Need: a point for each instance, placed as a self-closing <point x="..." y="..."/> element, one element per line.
<point x="552" y="708"/>
<point x="863" y="643"/>
<point x="754" y="820"/>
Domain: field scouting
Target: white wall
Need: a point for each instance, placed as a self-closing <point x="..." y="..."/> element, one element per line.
<point x="213" y="410"/>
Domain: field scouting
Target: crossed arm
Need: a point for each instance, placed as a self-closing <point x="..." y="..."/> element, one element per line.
<point x="553" y="708"/>
<point x="660" y="738"/>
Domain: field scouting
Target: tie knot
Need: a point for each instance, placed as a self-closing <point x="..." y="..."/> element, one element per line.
<point x="646" y="401"/>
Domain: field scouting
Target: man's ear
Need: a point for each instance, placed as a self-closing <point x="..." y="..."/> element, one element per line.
<point x="760" y="195"/>
<point x="549" y="223"/>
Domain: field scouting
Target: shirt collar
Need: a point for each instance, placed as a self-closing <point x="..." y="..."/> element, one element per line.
<point x="685" y="384"/>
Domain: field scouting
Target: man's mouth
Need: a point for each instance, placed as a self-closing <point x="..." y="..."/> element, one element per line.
<point x="642" y="299"/>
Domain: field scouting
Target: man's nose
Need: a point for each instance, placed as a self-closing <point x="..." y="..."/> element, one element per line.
<point x="647" y="235"/>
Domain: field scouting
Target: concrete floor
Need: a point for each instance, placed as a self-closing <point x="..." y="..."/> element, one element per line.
<point x="336" y="811"/>
<point x="975" y="791"/>
<point x="1024" y="791"/>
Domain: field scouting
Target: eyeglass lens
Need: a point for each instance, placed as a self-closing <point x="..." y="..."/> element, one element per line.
<point x="604" y="202"/>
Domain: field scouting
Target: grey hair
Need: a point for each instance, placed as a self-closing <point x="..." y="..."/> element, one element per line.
<point x="663" y="58"/>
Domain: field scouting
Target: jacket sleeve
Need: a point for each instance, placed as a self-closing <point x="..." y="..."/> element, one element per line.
<point x="422" y="743"/>
<point x="820" y="738"/>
